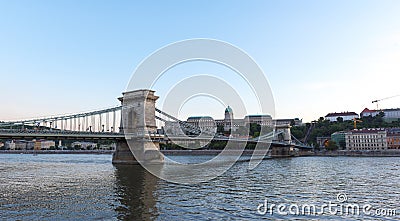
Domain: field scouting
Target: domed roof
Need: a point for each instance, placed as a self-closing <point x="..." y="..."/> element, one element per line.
<point x="229" y="110"/>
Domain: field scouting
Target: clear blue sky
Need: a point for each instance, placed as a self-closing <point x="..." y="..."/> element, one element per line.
<point x="319" y="56"/>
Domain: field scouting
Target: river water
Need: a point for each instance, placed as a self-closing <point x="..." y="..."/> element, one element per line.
<point x="89" y="187"/>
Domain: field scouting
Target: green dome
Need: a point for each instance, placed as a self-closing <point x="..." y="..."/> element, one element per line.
<point x="228" y="110"/>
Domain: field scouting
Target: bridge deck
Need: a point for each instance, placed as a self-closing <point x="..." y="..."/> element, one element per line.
<point x="83" y="135"/>
<point x="55" y="134"/>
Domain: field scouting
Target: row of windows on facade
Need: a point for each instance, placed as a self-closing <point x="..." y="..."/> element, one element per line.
<point x="368" y="136"/>
<point x="373" y="139"/>
<point x="367" y="141"/>
<point x="368" y="145"/>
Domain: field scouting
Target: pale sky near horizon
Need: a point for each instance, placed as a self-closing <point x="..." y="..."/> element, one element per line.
<point x="61" y="57"/>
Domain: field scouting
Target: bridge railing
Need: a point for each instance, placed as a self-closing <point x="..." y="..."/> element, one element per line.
<point x="29" y="131"/>
<point x="105" y="120"/>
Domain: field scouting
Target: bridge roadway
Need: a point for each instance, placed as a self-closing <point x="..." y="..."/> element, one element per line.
<point x="65" y="134"/>
<point x="86" y="135"/>
<point x="253" y="140"/>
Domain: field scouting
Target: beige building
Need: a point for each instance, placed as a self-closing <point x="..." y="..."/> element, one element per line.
<point x="289" y="121"/>
<point x="44" y="144"/>
<point x="261" y="119"/>
<point x="366" y="139"/>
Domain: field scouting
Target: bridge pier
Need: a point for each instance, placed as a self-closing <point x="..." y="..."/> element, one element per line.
<point x="122" y="154"/>
<point x="281" y="151"/>
<point x="137" y="123"/>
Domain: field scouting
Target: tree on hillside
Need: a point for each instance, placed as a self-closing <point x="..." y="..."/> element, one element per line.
<point x="300" y="131"/>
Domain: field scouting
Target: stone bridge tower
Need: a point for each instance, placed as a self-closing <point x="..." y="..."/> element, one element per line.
<point x="285" y="135"/>
<point x="283" y="146"/>
<point x="137" y="123"/>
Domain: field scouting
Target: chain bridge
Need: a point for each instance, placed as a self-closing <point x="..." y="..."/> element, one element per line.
<point x="133" y="123"/>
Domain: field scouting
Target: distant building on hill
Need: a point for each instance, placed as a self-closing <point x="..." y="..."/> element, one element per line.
<point x="261" y="119"/>
<point x="390" y="114"/>
<point x="344" y="115"/>
<point x="204" y="122"/>
<point x="229" y="123"/>
<point x="292" y="122"/>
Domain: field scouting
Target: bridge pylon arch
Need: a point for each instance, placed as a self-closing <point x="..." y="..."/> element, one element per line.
<point x="138" y="122"/>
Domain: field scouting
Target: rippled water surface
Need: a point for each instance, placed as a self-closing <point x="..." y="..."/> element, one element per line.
<point x="89" y="187"/>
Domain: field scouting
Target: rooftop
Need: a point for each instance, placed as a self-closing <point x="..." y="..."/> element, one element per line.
<point x="393" y="131"/>
<point x="366" y="110"/>
<point x="341" y="114"/>
<point x="200" y="117"/>
<point x="258" y="115"/>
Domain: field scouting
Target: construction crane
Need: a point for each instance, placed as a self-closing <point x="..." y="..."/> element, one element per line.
<point x="355" y="120"/>
<point x="376" y="101"/>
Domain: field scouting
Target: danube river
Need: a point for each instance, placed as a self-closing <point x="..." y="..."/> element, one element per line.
<point x="89" y="187"/>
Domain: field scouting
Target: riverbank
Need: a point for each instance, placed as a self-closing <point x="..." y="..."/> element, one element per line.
<point x="347" y="153"/>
